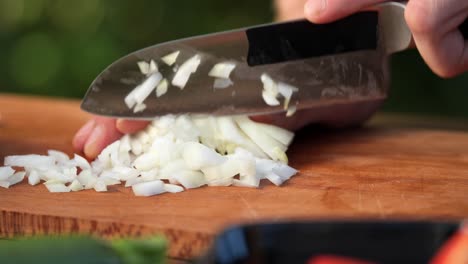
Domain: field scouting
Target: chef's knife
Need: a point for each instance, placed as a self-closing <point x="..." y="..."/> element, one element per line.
<point x="344" y="62"/>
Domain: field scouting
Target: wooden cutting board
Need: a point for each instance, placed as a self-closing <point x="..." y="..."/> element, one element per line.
<point x="387" y="169"/>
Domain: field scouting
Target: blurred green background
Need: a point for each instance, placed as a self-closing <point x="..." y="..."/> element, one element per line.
<point x="57" y="47"/>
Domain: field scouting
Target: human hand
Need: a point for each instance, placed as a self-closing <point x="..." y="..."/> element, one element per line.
<point x="434" y="24"/>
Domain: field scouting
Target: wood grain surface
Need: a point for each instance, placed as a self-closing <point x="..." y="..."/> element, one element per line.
<point x="384" y="170"/>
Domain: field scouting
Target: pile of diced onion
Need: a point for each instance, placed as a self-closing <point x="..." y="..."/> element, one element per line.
<point x="171" y="155"/>
<point x="174" y="153"/>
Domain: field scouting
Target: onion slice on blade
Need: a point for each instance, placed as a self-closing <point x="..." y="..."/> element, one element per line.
<point x="183" y="73"/>
<point x="170" y="58"/>
<point x="222" y="70"/>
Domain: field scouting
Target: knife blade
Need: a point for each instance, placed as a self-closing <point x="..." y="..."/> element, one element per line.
<point x="337" y="63"/>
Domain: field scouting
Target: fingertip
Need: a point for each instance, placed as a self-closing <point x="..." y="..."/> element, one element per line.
<point x="125" y="126"/>
<point x="93" y="145"/>
<point x="82" y="135"/>
<point x="313" y="10"/>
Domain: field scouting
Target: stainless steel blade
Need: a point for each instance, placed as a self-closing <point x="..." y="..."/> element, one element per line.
<point x="335" y="63"/>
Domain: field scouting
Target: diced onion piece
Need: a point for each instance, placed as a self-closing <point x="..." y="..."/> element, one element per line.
<point x="147" y="68"/>
<point x="130" y="100"/>
<point x="172" y="188"/>
<point x="291" y="110"/>
<point x="56" y="187"/>
<point x="133" y="181"/>
<point x="282" y="135"/>
<point x="161" y="89"/>
<point x="240" y="183"/>
<point x="284" y="171"/>
<point x="272" y="147"/>
<point x="144" y="67"/>
<point x="153" y="67"/>
<point x="125" y="173"/>
<point x="222" y="70"/>
<point x="76" y="186"/>
<point x="60" y="157"/>
<point x="16" y="178"/>
<point x="230" y="133"/>
<point x="139" y="108"/>
<point x="269" y="85"/>
<point x="170" y="58"/>
<point x="171" y="168"/>
<point x="146" y="161"/>
<point x="81" y="162"/>
<point x="100" y="186"/>
<point x="270" y="98"/>
<point x="190" y="179"/>
<point x="148" y="188"/>
<point x="221" y="83"/>
<point x="198" y="156"/>
<point x="5" y="184"/>
<point x="6" y="172"/>
<point x="286" y="91"/>
<point x="148" y="85"/>
<point x="30" y="161"/>
<point x="185" y="70"/>
<point x="275" y="179"/>
<point x="33" y="177"/>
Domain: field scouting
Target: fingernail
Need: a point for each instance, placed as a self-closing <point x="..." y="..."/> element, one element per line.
<point x="91" y="148"/>
<point x="313" y="8"/>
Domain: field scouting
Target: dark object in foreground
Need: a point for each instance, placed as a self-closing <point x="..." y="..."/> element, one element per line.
<point x="298" y="242"/>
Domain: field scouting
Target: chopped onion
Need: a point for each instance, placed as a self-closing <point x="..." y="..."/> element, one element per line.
<point x="148" y="188"/>
<point x="275" y="179"/>
<point x="33" y="177"/>
<point x="153" y="67"/>
<point x="76" y="186"/>
<point x="6" y="172"/>
<point x="100" y="186"/>
<point x="170" y="58"/>
<point x="133" y="181"/>
<point x="5" y="184"/>
<point x="198" y="156"/>
<point x="185" y="70"/>
<point x="183" y="150"/>
<point x="17" y="177"/>
<point x="270" y="98"/>
<point x="172" y="188"/>
<point x="282" y="135"/>
<point x="286" y="91"/>
<point x="222" y="70"/>
<point x="81" y="162"/>
<point x="291" y="110"/>
<point x="273" y="148"/>
<point x="161" y="89"/>
<point x="221" y="83"/>
<point x="30" y="161"/>
<point x="147" y="68"/>
<point x="136" y="97"/>
<point x="190" y="179"/>
<point x="269" y="85"/>
<point x="60" y="157"/>
<point x="56" y="187"/>
<point x="148" y="85"/>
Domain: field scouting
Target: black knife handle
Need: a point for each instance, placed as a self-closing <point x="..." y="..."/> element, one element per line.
<point x="464" y="29"/>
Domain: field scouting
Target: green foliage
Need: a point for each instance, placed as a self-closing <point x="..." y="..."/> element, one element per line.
<point x="81" y="249"/>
